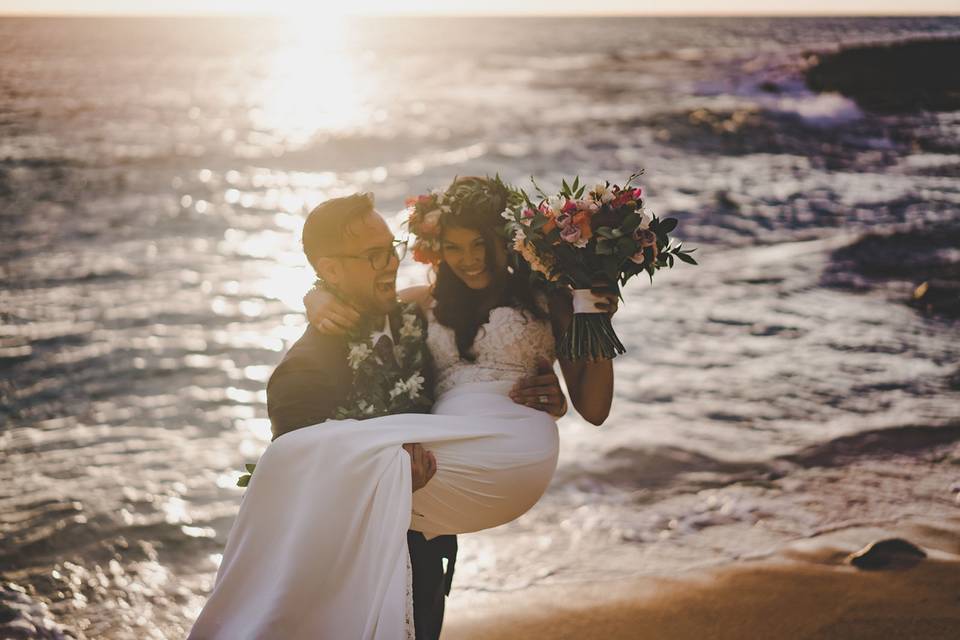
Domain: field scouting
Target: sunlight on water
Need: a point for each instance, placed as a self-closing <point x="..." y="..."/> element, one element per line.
<point x="176" y="511"/>
<point x="314" y="85"/>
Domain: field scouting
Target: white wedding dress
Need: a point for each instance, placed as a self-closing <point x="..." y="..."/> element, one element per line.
<point x="319" y="546"/>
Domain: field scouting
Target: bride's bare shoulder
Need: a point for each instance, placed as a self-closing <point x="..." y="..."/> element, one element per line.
<point x="421" y="294"/>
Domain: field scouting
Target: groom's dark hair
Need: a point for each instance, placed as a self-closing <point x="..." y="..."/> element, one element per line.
<point x="330" y="221"/>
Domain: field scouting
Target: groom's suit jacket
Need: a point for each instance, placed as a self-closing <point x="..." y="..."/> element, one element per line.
<point x="306" y="388"/>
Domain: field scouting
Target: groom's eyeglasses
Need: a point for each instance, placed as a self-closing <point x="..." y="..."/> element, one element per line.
<point x="379" y="258"/>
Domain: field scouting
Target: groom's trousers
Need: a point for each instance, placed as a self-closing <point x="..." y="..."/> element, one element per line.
<point x="431" y="583"/>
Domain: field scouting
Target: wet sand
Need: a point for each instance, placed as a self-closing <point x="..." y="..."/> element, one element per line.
<point x="804" y="590"/>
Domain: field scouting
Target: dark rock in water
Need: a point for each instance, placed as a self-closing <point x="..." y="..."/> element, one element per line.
<point x="769" y="87"/>
<point x="892" y="78"/>
<point x="887" y="554"/>
<point x="835" y="145"/>
<point x="938" y="296"/>
<point x="654" y="468"/>
<point x="924" y="258"/>
<point x="878" y="443"/>
<point x="954" y="380"/>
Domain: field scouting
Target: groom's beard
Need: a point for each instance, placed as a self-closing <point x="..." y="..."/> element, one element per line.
<point x="367" y="306"/>
<point x="375" y="296"/>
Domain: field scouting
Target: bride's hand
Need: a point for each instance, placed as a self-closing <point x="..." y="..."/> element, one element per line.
<point x="563" y="299"/>
<point x="541" y="391"/>
<point x="611" y="300"/>
<point x="328" y="314"/>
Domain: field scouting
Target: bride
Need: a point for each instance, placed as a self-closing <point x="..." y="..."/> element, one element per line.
<point x="319" y="547"/>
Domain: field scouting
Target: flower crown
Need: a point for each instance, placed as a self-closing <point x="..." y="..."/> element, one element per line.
<point x="432" y="211"/>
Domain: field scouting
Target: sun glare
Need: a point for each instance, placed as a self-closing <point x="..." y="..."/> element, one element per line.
<point x="314" y="86"/>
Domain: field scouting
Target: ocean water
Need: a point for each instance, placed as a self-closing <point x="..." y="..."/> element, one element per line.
<point x="154" y="175"/>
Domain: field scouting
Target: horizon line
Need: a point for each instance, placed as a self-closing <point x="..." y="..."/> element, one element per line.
<point x="252" y="14"/>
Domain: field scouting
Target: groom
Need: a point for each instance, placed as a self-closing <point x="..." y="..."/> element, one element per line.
<point x="352" y="250"/>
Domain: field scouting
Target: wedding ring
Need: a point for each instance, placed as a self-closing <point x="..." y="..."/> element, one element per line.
<point x="543" y="399"/>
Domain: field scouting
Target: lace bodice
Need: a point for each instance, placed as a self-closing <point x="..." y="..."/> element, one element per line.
<point x="507" y="348"/>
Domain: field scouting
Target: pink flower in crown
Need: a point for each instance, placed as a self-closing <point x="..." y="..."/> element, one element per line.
<point x="564" y="220"/>
<point x="570" y="206"/>
<point x="526" y="216"/>
<point x="430" y="223"/>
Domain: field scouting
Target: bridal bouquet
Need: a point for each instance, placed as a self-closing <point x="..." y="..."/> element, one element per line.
<point x="581" y="239"/>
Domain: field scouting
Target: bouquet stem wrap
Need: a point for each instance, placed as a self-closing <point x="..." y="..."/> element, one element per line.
<point x="591" y="335"/>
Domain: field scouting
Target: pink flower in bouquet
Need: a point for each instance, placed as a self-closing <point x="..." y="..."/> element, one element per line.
<point x="549" y="208"/>
<point x="645" y="237"/>
<point x="570" y="207"/>
<point x="624" y="198"/>
<point x="527" y="215"/>
<point x="570" y="233"/>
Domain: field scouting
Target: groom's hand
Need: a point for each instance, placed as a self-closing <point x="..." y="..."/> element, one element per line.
<point x="328" y="314"/>
<point x="541" y="391"/>
<point x="423" y="465"/>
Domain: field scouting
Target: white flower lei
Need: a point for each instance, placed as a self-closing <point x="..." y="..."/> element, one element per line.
<point x="381" y="388"/>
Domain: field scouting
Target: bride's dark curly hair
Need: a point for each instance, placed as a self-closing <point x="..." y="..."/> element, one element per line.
<point x="477" y="205"/>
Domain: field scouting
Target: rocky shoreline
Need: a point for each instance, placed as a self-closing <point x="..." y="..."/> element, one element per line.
<point x="898" y="77"/>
